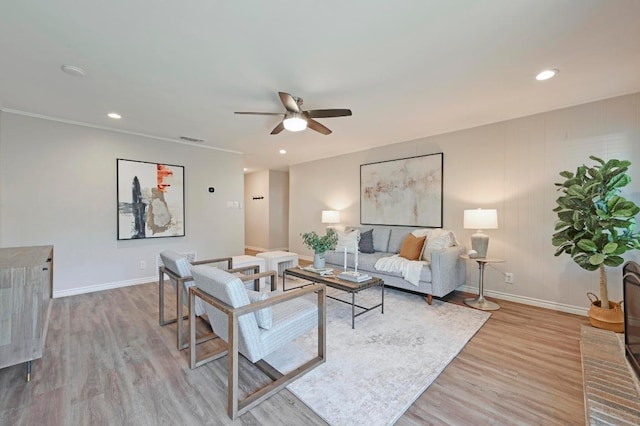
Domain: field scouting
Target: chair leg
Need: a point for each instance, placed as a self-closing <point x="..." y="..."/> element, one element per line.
<point x="192" y="331"/>
<point x="179" y="316"/>
<point x="232" y="389"/>
<point x="161" y="298"/>
<point x="161" y="317"/>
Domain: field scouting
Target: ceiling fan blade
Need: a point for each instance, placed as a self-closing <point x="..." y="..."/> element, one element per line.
<point x="258" y="113"/>
<point x="326" y="113"/>
<point x="314" y="125"/>
<point x="278" y="128"/>
<point x="289" y="102"/>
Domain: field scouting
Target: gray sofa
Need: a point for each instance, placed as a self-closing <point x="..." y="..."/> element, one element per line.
<point x="444" y="273"/>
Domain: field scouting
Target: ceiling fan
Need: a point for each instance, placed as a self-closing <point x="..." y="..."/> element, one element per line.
<point x="296" y="119"/>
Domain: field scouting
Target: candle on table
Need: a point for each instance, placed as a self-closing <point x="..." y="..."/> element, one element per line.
<point x="345" y="258"/>
<point x="356" y="261"/>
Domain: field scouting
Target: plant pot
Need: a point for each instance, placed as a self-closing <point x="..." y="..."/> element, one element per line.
<point x="318" y="260"/>
<point x="607" y="319"/>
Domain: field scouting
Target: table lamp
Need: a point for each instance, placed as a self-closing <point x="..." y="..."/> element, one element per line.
<point x="480" y="219"/>
<point x="330" y="217"/>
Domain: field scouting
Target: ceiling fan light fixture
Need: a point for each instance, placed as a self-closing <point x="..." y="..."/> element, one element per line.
<point x="294" y="123"/>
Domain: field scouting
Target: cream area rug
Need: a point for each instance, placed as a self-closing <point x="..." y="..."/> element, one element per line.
<point x="375" y="372"/>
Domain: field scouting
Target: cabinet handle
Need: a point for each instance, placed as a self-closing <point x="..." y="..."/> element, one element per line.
<point x="49" y="259"/>
<point x="45" y="269"/>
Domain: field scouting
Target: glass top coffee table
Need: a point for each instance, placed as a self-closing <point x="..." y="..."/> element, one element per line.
<point x="337" y="283"/>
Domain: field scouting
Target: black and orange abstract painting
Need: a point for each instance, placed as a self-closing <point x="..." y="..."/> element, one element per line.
<point x="150" y="200"/>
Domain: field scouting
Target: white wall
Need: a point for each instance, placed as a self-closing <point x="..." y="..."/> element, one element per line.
<point x="510" y="166"/>
<point x="278" y="210"/>
<point x="256" y="223"/>
<point x="58" y="186"/>
<point x="267" y="219"/>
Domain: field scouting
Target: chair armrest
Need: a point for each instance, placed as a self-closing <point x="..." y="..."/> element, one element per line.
<point x="247" y="268"/>
<point x="229" y="261"/>
<point x="256" y="279"/>
<point x="252" y="307"/>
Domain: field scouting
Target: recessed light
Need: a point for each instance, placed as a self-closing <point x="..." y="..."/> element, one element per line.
<point x="73" y="70"/>
<point x="546" y="74"/>
<point x="283" y="151"/>
<point x="114" y="115"/>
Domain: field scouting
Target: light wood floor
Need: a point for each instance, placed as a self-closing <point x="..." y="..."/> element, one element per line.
<point x="107" y="361"/>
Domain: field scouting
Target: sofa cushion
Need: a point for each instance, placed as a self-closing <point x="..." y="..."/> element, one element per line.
<point x="396" y="239"/>
<point x="412" y="247"/>
<point x="347" y="239"/>
<point x="366" y="242"/>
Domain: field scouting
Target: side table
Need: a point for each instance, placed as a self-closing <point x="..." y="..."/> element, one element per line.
<point x="279" y="260"/>
<point x="480" y="302"/>
<point x="246" y="260"/>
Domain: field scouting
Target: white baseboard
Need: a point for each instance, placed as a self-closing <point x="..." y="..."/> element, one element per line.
<point x="105" y="286"/>
<point x="266" y="249"/>
<point x="577" y="310"/>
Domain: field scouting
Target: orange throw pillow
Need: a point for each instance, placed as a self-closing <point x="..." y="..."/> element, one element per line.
<point x="412" y="247"/>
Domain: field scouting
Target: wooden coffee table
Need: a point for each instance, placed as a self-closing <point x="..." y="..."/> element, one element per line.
<point x="337" y="283"/>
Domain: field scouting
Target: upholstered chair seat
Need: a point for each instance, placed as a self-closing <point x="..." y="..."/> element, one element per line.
<point x="255" y="324"/>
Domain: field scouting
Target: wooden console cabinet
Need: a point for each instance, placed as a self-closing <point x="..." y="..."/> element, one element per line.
<point x="26" y="280"/>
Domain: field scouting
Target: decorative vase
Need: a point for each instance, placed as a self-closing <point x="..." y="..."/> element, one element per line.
<point x="611" y="319"/>
<point x="318" y="260"/>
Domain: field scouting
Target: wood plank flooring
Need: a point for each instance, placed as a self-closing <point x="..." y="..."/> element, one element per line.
<point x="108" y="362"/>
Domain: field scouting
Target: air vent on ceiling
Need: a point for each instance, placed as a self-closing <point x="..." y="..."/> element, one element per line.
<point x="188" y="139"/>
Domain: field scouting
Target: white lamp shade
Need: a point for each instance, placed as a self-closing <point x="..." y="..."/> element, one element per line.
<point x="330" y="216"/>
<point x="481" y="219"/>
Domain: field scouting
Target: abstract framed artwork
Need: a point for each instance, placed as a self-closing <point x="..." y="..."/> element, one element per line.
<point x="150" y="200"/>
<point x="406" y="192"/>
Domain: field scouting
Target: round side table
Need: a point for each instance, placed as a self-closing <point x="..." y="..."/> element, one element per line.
<point x="480" y="302"/>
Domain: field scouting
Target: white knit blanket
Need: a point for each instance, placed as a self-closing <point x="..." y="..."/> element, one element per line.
<point x="410" y="269"/>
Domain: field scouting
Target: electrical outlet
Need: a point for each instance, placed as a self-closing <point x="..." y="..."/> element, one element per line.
<point x="143" y="264"/>
<point x="508" y="277"/>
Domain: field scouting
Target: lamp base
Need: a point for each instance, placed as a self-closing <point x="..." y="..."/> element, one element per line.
<point x="482" y="304"/>
<point x="480" y="243"/>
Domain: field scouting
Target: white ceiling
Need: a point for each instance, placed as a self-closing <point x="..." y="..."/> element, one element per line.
<point x="406" y="69"/>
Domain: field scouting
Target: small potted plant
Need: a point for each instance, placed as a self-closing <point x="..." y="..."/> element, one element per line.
<point x="596" y="227"/>
<point x="320" y="244"/>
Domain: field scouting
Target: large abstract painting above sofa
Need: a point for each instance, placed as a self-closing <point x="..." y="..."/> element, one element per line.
<point x="406" y="192"/>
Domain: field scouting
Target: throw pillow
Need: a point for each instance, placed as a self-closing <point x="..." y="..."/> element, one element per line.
<point x="366" y="242"/>
<point x="263" y="316"/>
<point x="438" y="239"/>
<point x="422" y="233"/>
<point x="412" y="247"/>
<point x="348" y="240"/>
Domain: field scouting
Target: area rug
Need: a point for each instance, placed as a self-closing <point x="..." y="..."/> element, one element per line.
<point x="375" y="372"/>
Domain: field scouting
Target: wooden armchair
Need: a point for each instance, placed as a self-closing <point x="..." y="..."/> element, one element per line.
<point x="176" y="266"/>
<point x="254" y="327"/>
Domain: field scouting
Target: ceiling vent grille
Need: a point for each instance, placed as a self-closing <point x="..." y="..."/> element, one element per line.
<point x="188" y="139"/>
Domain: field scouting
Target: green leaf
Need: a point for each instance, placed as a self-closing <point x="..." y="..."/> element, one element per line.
<point x="587" y="245"/>
<point x="609" y="248"/>
<point x="614" y="261"/>
<point x="594" y="158"/>
<point x="597" y="259"/>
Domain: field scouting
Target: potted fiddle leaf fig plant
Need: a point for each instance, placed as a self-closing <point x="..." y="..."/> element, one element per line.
<point x="320" y="244"/>
<point x="596" y="226"/>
